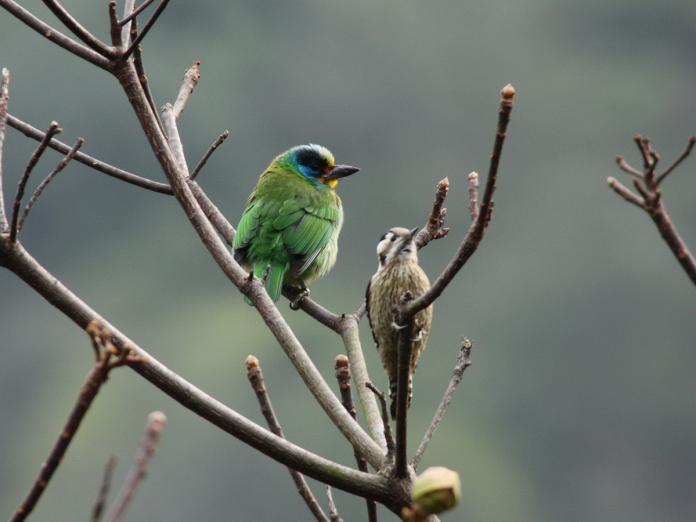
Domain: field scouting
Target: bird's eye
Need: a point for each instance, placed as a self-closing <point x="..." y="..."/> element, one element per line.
<point x="393" y="238"/>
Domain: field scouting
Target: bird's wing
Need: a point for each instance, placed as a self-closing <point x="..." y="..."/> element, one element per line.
<point x="306" y="230"/>
<point x="248" y="224"/>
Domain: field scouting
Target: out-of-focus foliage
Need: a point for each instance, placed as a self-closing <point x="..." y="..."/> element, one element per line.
<point x="579" y="405"/>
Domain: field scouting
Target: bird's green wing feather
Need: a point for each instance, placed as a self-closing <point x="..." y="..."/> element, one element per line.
<point x="248" y="225"/>
<point x="306" y="230"/>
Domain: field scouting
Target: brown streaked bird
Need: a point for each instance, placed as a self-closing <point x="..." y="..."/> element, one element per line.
<point x="398" y="272"/>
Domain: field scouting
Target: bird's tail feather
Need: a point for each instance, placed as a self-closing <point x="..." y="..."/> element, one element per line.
<point x="274" y="280"/>
<point x="274" y="283"/>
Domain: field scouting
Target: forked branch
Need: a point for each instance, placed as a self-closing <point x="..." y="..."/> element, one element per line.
<point x="108" y="358"/>
<point x="649" y="198"/>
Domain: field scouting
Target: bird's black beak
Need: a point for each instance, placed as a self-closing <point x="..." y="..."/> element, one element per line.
<point x="341" y="171"/>
<point x="413" y="232"/>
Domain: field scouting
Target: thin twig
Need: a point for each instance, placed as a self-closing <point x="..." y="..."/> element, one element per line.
<point x="142" y="77"/>
<point x="477" y="229"/>
<point x="434" y="228"/>
<point x="155" y="424"/>
<point x="626" y="167"/>
<point x="385" y="418"/>
<point x="404" y="350"/>
<point x="255" y="376"/>
<point x="135" y="12"/>
<point x="4" y="100"/>
<point x="104" y="168"/>
<point x="96" y="377"/>
<point x="191" y="78"/>
<point x="343" y="377"/>
<point x="333" y="512"/>
<point x="684" y="154"/>
<point x="473" y="179"/>
<point x="201" y="163"/>
<point x="53" y="129"/>
<point x="146" y="29"/>
<point x="463" y="362"/>
<point x="55" y="36"/>
<point x="625" y="192"/>
<point x="114" y="27"/>
<point x="78" y="29"/>
<point x="98" y="509"/>
<point x="128" y="8"/>
<point x="39" y="190"/>
<point x="173" y="138"/>
<point x="350" y="335"/>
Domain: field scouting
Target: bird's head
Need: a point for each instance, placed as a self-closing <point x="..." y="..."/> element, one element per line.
<point x="317" y="164"/>
<point x="397" y="245"/>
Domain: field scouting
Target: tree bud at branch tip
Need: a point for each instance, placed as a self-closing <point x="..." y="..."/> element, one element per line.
<point x="252" y="362"/>
<point x="443" y="183"/>
<point x="156" y="420"/>
<point x="508" y="92"/>
<point x="341" y="361"/>
<point x="611" y="181"/>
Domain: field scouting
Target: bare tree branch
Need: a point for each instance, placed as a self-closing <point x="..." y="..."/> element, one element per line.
<point x="78" y="29"/>
<point x="96" y="377"/>
<point x="98" y="509"/>
<point x="83" y="158"/>
<point x="55" y="36"/>
<point x="53" y="129"/>
<point x="343" y="377"/>
<point x="155" y="424"/>
<point x="146" y="29"/>
<point x="463" y="362"/>
<point x="476" y="231"/>
<point x="39" y="190"/>
<point x="135" y="12"/>
<point x="114" y="27"/>
<point x="650" y="199"/>
<point x="201" y="163"/>
<point x="406" y="336"/>
<point x="385" y="419"/>
<point x="333" y="512"/>
<point x="434" y="228"/>
<point x="142" y="77"/>
<point x="255" y="376"/>
<point x="684" y="154"/>
<point x="625" y="192"/>
<point x="4" y="100"/>
<point x="191" y="78"/>
<point x="128" y="10"/>
<point x="623" y="165"/>
<point x="350" y="335"/>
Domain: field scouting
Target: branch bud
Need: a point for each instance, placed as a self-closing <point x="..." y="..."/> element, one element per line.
<point x="435" y="490"/>
<point x="251" y="362"/>
<point x="508" y="92"/>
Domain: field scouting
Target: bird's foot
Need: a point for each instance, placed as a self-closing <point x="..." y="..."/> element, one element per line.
<point x="301" y="296"/>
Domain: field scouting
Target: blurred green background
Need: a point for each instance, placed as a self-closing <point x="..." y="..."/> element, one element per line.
<point x="580" y="404"/>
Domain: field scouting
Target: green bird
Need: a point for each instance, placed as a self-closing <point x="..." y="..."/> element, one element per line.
<point x="289" y="230"/>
